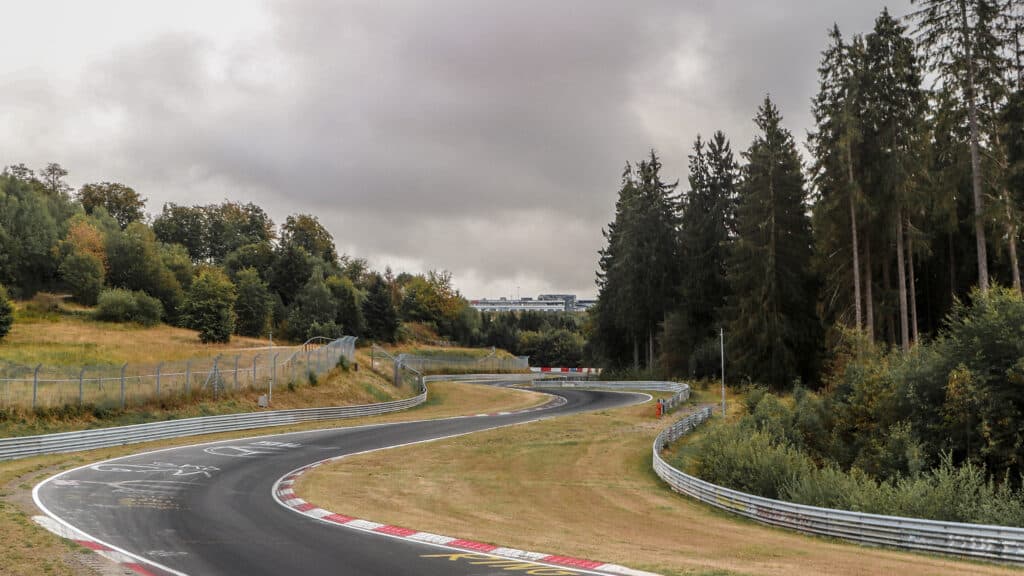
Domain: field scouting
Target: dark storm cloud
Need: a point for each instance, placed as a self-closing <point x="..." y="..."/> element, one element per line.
<point x="482" y="137"/>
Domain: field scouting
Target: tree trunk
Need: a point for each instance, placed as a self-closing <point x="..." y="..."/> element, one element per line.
<point x="1014" y="265"/>
<point x="952" y="267"/>
<point x="650" y="349"/>
<point x="901" y="279"/>
<point x="972" y="119"/>
<point x="636" y="353"/>
<point x="890" y="325"/>
<point x="912" y="287"/>
<point x="853" y="240"/>
<point x="868" y="280"/>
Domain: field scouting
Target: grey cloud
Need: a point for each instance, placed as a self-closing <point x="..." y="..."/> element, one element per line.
<point x="482" y="137"/>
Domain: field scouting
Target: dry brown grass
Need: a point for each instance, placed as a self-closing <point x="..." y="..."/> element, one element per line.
<point x="30" y="550"/>
<point x="73" y="341"/>
<point x="582" y="485"/>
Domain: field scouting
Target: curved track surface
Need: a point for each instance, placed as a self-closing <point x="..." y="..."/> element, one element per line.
<point x="208" y="509"/>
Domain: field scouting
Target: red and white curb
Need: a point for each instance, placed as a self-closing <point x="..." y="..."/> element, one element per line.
<point x="285" y="495"/>
<point x="127" y="562"/>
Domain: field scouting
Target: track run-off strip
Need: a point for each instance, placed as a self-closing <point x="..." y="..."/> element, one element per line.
<point x="474" y="552"/>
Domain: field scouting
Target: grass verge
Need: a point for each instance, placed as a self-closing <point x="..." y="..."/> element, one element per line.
<point x="583" y="486"/>
<point x="31" y="550"/>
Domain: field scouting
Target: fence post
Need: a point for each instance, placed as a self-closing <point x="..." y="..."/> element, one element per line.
<point x="214" y="376"/>
<point x="123" y="367"/>
<point x="273" y="376"/>
<point x="254" y="359"/>
<point x="159" y="367"/>
<point x="237" y="356"/>
<point x="35" y="385"/>
<point x="307" y="360"/>
<point x="81" y="395"/>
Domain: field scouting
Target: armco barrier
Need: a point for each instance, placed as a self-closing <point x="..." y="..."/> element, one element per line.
<point x="24" y="446"/>
<point x="973" y="540"/>
<point x="681" y="392"/>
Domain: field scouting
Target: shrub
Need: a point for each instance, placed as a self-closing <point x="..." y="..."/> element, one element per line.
<point x="210" y="306"/>
<point x="253" y="307"/>
<point x="119" y="305"/>
<point x="6" y="313"/>
<point x="313" y="380"/>
<point x="83" y="272"/>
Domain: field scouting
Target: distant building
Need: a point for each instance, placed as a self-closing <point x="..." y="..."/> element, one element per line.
<point x="543" y="303"/>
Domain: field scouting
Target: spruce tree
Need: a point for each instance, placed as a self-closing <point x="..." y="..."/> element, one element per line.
<point x="836" y="174"/>
<point x="640" y="266"/>
<point x="707" y="222"/>
<point x="773" y="328"/>
<point x="962" y="42"/>
<point x="894" y="134"/>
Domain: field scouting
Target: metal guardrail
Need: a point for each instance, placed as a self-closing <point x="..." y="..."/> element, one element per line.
<point x="25" y="446"/>
<point x="973" y="540"/>
<point x="681" y="391"/>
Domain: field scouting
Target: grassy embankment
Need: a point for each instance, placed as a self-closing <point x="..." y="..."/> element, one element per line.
<point x="583" y="485"/>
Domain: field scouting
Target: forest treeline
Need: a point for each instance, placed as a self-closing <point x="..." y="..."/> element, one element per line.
<point x="909" y="194"/>
<point x="228" y="269"/>
<point x="876" y="275"/>
<point x="222" y="269"/>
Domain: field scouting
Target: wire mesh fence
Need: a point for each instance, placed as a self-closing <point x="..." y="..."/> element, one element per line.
<point x="450" y="363"/>
<point x="31" y="387"/>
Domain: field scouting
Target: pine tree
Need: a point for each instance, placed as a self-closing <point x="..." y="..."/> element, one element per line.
<point x="707" y="224"/>
<point x="894" y="130"/>
<point x="836" y="174"/>
<point x="962" y="43"/>
<point x="773" y="329"/>
<point x="639" y="269"/>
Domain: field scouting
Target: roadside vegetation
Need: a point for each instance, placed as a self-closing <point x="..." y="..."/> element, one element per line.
<point x="933" y="433"/>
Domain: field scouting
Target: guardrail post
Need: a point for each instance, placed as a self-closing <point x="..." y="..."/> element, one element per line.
<point x="237" y="356"/>
<point x="159" y="367"/>
<point x="35" y="385"/>
<point x="123" y="367"/>
<point x="81" y="388"/>
<point x="273" y="376"/>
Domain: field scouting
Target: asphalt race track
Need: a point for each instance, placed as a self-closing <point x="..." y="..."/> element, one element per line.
<point x="207" y="509"/>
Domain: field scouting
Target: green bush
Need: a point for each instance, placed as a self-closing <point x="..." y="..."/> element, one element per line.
<point x="83" y="272"/>
<point x="6" y="313"/>
<point x="209" y="306"/>
<point x="119" y="305"/>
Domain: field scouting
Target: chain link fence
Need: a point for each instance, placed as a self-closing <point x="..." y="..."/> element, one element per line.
<point x="125" y="385"/>
<point x="446" y="363"/>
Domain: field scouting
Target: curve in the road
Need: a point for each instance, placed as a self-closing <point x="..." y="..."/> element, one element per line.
<point x="209" y="509"/>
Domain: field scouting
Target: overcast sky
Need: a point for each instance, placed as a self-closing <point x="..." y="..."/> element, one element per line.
<point x="482" y="137"/>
